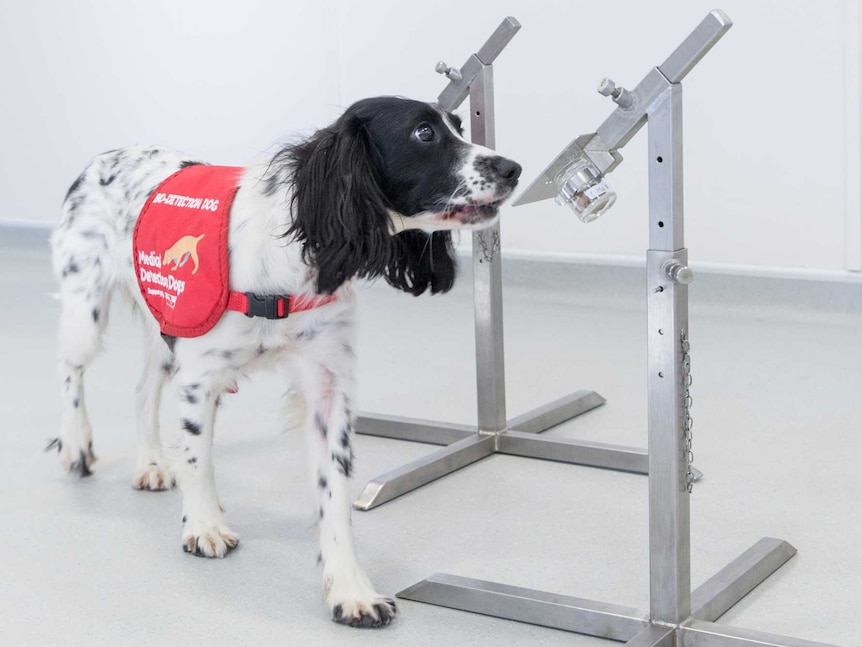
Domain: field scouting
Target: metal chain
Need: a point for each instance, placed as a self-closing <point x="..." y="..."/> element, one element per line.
<point x="488" y="255"/>
<point x="687" y="422"/>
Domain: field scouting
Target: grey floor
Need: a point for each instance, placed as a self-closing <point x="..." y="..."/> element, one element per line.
<point x="778" y="416"/>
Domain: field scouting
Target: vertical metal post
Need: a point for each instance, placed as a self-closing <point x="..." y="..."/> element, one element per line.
<point x="487" y="277"/>
<point x="667" y="320"/>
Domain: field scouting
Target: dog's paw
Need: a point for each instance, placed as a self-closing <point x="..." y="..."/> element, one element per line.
<point x="204" y="540"/>
<point x="354" y="602"/>
<point x="365" y="615"/>
<point x="74" y="458"/>
<point x="153" y="477"/>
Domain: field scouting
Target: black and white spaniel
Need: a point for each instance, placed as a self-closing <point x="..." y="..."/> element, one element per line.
<point x="373" y="195"/>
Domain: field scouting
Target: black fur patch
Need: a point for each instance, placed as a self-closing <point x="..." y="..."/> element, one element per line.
<point x="80" y="466"/>
<point x="96" y="315"/>
<point x="75" y="186"/>
<point x="192" y="427"/>
<point x="322" y="482"/>
<point x="345" y="463"/>
<point x="71" y="268"/>
<point x="170" y="340"/>
<point x="190" y="393"/>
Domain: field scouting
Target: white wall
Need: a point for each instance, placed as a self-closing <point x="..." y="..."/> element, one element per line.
<point x="771" y="114"/>
<point x="218" y="80"/>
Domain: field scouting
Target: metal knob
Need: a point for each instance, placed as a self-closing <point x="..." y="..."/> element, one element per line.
<point x="622" y="97"/>
<point x="678" y="273"/>
<point x="450" y="72"/>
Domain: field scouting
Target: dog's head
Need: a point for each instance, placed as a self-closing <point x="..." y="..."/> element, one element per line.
<point x="376" y="194"/>
<point x="433" y="178"/>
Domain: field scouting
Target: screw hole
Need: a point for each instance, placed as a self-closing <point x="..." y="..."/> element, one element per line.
<point x="478" y="113"/>
<point x="660" y="331"/>
<point x="660" y="374"/>
<point x="659" y="159"/>
<point x="661" y="223"/>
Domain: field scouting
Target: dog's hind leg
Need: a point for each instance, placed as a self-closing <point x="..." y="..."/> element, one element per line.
<point x="84" y="269"/>
<point x="350" y="596"/>
<point x="152" y="471"/>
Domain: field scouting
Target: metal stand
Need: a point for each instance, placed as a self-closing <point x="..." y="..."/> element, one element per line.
<point x="494" y="434"/>
<point x="677" y="616"/>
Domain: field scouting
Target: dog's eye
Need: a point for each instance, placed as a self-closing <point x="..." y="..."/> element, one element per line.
<point x="424" y="133"/>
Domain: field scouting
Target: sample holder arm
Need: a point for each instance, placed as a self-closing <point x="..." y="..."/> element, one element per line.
<point x="624" y="122"/>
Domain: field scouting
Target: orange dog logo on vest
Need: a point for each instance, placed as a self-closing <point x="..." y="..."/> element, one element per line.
<point x="181" y="251"/>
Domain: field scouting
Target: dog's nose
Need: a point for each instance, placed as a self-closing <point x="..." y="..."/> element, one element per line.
<point x="507" y="169"/>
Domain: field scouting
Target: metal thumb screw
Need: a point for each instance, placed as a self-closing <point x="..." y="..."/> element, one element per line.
<point x="622" y="97"/>
<point x="450" y="72"/>
<point x="606" y="87"/>
<point x="678" y="273"/>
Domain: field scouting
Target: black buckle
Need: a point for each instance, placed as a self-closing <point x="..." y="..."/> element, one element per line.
<point x="266" y="306"/>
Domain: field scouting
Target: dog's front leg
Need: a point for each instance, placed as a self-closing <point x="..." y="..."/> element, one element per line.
<point x="205" y="532"/>
<point x="350" y="595"/>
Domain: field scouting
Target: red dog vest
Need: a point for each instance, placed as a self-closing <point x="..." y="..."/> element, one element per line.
<point x="180" y="255"/>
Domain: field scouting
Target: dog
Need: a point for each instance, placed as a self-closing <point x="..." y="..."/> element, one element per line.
<point x="180" y="252"/>
<point x="376" y="194"/>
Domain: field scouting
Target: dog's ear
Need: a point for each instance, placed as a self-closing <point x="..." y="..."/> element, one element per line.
<point x="420" y="260"/>
<point x="340" y="212"/>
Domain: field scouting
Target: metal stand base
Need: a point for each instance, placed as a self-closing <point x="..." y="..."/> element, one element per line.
<point x="708" y="602"/>
<point x="466" y="445"/>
